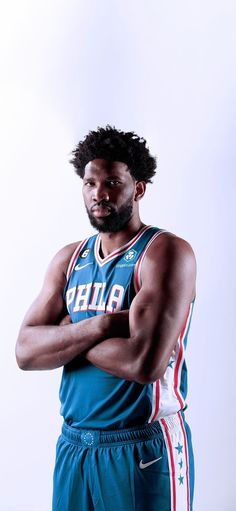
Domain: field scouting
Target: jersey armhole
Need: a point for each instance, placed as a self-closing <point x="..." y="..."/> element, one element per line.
<point x="73" y="258"/>
<point x="138" y="266"/>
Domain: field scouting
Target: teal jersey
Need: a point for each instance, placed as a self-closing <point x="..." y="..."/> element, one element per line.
<point x="91" y="397"/>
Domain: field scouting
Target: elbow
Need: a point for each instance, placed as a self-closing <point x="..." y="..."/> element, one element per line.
<point x="21" y="360"/>
<point x="147" y="374"/>
<point x="145" y="367"/>
<point x="22" y="357"/>
<point x="146" y="378"/>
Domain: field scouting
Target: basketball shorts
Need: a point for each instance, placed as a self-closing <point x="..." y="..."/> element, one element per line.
<point x="147" y="468"/>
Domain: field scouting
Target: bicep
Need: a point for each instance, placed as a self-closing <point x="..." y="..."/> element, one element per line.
<point x="159" y="310"/>
<point x="49" y="306"/>
<point x="46" y="309"/>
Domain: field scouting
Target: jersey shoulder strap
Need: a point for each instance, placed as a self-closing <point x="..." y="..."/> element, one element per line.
<point x="151" y="235"/>
<point x="82" y="250"/>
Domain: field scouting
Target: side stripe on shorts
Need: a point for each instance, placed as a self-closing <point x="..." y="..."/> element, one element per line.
<point x="174" y="433"/>
<point x="187" y="458"/>
<point x="171" y="463"/>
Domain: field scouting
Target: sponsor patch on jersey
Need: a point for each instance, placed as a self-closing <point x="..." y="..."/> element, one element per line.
<point x="85" y="253"/>
<point x="125" y="265"/>
<point x="130" y="255"/>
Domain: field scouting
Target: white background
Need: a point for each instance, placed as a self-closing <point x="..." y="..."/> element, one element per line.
<point x="167" y="71"/>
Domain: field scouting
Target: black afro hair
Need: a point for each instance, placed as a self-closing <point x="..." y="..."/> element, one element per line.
<point x="115" y="145"/>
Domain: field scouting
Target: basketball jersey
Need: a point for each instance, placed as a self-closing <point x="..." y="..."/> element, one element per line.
<point x="91" y="397"/>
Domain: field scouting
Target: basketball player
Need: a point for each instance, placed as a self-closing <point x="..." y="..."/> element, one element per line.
<point x="115" y="311"/>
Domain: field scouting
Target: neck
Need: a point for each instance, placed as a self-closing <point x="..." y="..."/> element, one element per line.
<point x="111" y="241"/>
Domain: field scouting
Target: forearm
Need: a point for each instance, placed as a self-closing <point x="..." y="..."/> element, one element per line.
<point x="118" y="356"/>
<point x="52" y="346"/>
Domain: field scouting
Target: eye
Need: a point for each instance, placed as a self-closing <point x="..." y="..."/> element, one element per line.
<point x="113" y="182"/>
<point x="89" y="184"/>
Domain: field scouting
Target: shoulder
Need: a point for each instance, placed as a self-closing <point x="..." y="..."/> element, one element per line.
<point x="170" y="247"/>
<point x="60" y="262"/>
<point x="63" y="259"/>
<point x="169" y="258"/>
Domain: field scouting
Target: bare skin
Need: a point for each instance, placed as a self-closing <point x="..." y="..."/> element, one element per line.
<point x="45" y="341"/>
<point x="136" y="344"/>
<point x="156" y="316"/>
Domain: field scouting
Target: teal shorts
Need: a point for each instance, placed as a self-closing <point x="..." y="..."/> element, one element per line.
<point x="147" y="468"/>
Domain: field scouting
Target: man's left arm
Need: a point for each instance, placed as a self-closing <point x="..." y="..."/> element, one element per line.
<point x="156" y="317"/>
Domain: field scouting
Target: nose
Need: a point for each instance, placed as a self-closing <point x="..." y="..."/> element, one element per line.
<point x="100" y="193"/>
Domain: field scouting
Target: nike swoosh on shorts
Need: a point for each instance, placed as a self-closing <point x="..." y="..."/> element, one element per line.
<point x="144" y="465"/>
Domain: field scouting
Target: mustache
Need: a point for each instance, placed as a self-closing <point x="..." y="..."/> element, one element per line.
<point x="103" y="203"/>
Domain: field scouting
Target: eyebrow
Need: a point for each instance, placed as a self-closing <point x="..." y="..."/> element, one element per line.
<point x="114" y="176"/>
<point x="108" y="178"/>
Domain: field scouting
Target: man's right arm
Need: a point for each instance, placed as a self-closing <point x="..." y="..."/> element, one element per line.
<point x="44" y="344"/>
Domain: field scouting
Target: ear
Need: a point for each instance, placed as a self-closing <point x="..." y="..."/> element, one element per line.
<point x="140" y="188"/>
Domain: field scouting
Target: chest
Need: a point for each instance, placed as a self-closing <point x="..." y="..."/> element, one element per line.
<point x="94" y="289"/>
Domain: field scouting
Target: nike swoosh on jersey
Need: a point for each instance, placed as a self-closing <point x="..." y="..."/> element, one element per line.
<point x="144" y="465"/>
<point x="78" y="267"/>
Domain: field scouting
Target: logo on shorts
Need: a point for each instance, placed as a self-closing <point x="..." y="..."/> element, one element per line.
<point x="85" y="253"/>
<point x="130" y="255"/>
<point x="144" y="465"/>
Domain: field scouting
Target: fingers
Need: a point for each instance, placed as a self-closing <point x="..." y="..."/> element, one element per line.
<point x="66" y="320"/>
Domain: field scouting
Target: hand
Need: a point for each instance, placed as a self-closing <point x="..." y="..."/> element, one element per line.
<point x="66" y="320"/>
<point x="118" y="324"/>
<point x="114" y="324"/>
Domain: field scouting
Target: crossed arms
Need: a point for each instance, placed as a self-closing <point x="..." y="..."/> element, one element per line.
<point x="135" y="345"/>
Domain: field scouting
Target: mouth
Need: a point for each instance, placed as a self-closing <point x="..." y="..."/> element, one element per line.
<point x="101" y="211"/>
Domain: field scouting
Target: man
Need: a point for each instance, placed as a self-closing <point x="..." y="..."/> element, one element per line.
<point x="115" y="311"/>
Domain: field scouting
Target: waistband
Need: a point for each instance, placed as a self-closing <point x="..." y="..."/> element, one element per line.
<point x="97" y="437"/>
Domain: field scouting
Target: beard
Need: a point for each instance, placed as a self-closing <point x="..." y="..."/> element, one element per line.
<point x="115" y="221"/>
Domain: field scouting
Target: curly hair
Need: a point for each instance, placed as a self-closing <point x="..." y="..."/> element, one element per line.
<point x="115" y="145"/>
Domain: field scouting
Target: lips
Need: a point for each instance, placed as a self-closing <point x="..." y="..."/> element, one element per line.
<point x="100" y="211"/>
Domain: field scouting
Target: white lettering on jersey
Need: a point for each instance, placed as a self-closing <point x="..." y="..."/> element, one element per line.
<point x="115" y="298"/>
<point x="102" y="305"/>
<point x="70" y="295"/>
<point x="94" y="298"/>
<point x="91" y="297"/>
<point x="81" y="303"/>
